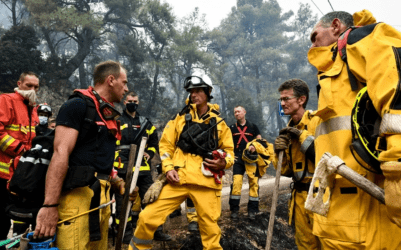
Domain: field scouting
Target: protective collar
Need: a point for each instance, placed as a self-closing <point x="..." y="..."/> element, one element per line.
<point x="322" y="57"/>
<point x="111" y="124"/>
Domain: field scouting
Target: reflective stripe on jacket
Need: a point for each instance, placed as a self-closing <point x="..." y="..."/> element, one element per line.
<point x="17" y="129"/>
<point x="294" y="161"/>
<point x="127" y="137"/>
<point x="373" y="59"/>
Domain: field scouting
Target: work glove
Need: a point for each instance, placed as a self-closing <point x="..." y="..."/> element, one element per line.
<point x="293" y="132"/>
<point x="392" y="190"/>
<point x="281" y="143"/>
<point x="134" y="194"/>
<point x="154" y="190"/>
<point x="118" y="184"/>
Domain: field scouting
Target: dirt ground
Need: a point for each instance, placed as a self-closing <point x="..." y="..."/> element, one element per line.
<point x="243" y="234"/>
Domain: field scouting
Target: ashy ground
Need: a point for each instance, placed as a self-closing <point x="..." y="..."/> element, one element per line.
<point x="243" y="234"/>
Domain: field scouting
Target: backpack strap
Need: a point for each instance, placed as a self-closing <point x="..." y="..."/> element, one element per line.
<point x="351" y="36"/>
<point x="342" y="50"/>
<point x="90" y="114"/>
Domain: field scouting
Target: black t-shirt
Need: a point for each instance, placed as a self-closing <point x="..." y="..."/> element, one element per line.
<point x="242" y="135"/>
<point x="97" y="148"/>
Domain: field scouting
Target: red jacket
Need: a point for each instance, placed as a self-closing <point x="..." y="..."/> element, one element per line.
<point x="17" y="129"/>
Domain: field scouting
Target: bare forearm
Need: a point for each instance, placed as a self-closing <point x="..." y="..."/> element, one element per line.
<point x="55" y="178"/>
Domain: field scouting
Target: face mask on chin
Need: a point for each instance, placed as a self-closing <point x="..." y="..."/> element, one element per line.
<point x="321" y="57"/>
<point x="29" y="95"/>
<point x="43" y="120"/>
<point x="132" y="106"/>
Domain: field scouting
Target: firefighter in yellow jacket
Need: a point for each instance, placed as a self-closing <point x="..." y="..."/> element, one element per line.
<point x="186" y="147"/>
<point x="299" y="158"/>
<point x="347" y="61"/>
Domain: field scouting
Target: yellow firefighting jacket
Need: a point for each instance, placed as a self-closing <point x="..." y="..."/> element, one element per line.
<point x="297" y="161"/>
<point x="265" y="154"/>
<point x="17" y="130"/>
<point x="373" y="54"/>
<point x="188" y="165"/>
<point x="295" y="164"/>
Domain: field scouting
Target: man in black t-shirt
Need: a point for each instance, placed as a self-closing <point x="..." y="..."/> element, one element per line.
<point x="91" y="154"/>
<point x="243" y="132"/>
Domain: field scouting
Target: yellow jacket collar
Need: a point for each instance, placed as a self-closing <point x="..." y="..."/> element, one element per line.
<point x="213" y="109"/>
<point x="322" y="57"/>
<point x="364" y="17"/>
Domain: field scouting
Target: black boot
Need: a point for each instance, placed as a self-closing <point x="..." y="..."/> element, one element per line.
<point x="129" y="232"/>
<point x="160" y="236"/>
<point x="193" y="226"/>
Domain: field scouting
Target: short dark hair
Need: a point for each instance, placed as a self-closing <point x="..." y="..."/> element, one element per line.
<point x="345" y="18"/>
<point x="299" y="87"/>
<point x="132" y="93"/>
<point x="27" y="73"/>
<point x="104" y="69"/>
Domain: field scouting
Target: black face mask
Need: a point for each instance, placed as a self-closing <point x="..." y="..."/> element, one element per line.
<point x="132" y="106"/>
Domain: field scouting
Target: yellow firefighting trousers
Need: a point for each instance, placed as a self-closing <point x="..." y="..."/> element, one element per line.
<point x="208" y="206"/>
<point x="74" y="234"/>
<point x="253" y="186"/>
<point x="191" y="213"/>
<point x="373" y="231"/>
<point x="303" y="218"/>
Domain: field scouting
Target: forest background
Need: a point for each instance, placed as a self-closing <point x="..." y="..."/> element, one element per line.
<point x="256" y="47"/>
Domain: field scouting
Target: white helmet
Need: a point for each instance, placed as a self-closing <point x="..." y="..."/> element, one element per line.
<point x="198" y="80"/>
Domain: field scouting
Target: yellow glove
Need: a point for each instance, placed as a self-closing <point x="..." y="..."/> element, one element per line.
<point x="118" y="184"/>
<point x="392" y="190"/>
<point x="154" y="191"/>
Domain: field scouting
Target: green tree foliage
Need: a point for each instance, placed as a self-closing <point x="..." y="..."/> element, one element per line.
<point x="18" y="53"/>
<point x="298" y="48"/>
<point x="147" y="49"/>
<point x="187" y="54"/>
<point x="256" y="48"/>
<point x="250" y="46"/>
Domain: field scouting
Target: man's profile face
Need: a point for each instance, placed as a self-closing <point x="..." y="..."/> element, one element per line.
<point x="290" y="103"/>
<point x="119" y="87"/>
<point x="30" y="82"/>
<point x="131" y="99"/>
<point x="198" y="96"/>
<point x="239" y="113"/>
<point x="321" y="36"/>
